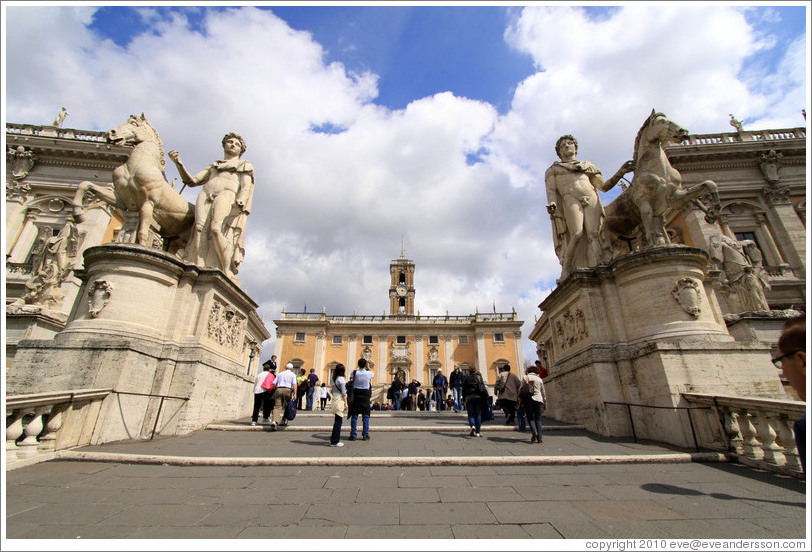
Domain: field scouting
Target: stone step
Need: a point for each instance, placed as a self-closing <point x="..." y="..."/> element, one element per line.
<point x="379" y="427"/>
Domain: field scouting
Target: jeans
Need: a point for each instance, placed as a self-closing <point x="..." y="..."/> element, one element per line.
<point x="311" y="391"/>
<point x="522" y="417"/>
<point x="354" y="423"/>
<point x="533" y="411"/>
<point x="335" y="437"/>
<point x="396" y="402"/>
<point x="474" y="408"/>
<point x="323" y="402"/>
<point x="439" y="400"/>
<point x="456" y="392"/>
<point x="509" y="407"/>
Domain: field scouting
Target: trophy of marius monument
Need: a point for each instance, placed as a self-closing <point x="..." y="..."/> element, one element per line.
<point x="161" y="317"/>
<point x="635" y="319"/>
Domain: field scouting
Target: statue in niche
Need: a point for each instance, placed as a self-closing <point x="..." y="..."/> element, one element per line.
<point x="22" y="161"/>
<point x="222" y="207"/>
<point x="53" y="259"/>
<point x="575" y="208"/>
<point x="744" y="277"/>
<point x="60" y="118"/>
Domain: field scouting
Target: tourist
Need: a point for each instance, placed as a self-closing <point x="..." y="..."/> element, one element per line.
<point x="339" y="404"/>
<point x="421" y="401"/>
<point x="474" y="393"/>
<point x="507" y="392"/>
<point x="285" y="390"/>
<point x="455" y="382"/>
<point x="262" y="395"/>
<point x="396" y="393"/>
<point x="362" y="392"/>
<point x="222" y="207"/>
<point x="413" y="394"/>
<point x="449" y="403"/>
<point x="312" y="380"/>
<point x="534" y="402"/>
<point x="301" y="387"/>
<point x="272" y="362"/>
<point x="440" y="384"/>
<point x="324" y="394"/>
<point x="792" y="361"/>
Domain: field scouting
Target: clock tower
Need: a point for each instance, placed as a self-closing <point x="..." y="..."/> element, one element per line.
<point x="401" y="288"/>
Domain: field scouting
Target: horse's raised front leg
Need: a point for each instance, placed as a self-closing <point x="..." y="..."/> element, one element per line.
<point x="145" y="223"/>
<point x="105" y="194"/>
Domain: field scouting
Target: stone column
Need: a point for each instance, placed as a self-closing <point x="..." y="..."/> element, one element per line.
<point x="765" y="239"/>
<point x="480" y="358"/>
<point x="321" y="346"/>
<point x="787" y="227"/>
<point x="419" y="358"/>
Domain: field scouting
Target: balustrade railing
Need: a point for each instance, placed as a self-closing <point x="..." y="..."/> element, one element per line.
<point x="66" y="133"/>
<point x="479" y="317"/>
<point x="33" y="421"/>
<point x="745" y="136"/>
<point x="758" y="431"/>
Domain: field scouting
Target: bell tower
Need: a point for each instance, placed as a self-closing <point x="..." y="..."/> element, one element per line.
<point x="401" y="288"/>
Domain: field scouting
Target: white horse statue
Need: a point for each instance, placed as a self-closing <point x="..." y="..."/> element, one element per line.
<point x="657" y="186"/>
<point x="140" y="185"/>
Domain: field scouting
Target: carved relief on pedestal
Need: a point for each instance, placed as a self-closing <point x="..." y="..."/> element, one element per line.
<point x="686" y="293"/>
<point x="571" y="327"/>
<point x="98" y="295"/>
<point x="226" y="326"/>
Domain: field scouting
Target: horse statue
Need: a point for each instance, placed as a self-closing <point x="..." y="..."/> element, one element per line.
<point x="657" y="186"/>
<point x="140" y="185"/>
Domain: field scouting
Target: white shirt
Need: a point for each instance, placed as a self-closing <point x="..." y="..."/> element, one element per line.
<point x="286" y="378"/>
<point x="324" y="392"/>
<point x="362" y="379"/>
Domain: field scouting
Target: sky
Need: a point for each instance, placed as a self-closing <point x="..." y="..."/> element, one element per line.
<point x="423" y="126"/>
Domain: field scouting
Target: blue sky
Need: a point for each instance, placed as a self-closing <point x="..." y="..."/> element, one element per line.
<point x="369" y="123"/>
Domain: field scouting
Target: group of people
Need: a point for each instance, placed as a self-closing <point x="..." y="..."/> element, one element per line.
<point x="303" y="389"/>
<point x="351" y="396"/>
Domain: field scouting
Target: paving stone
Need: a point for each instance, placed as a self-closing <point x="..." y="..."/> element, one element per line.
<point x="401" y="532"/>
<point x="450" y="513"/>
<point x="356" y="482"/>
<point x="160" y="514"/>
<point x="537" y="512"/>
<point x="552" y="494"/>
<point x="355" y="514"/>
<point x="168" y="532"/>
<point x="58" y="514"/>
<point x="496" y="531"/>
<point x="715" y="529"/>
<point x="294" y="532"/>
<point x="541" y="531"/>
<point x="478" y="494"/>
<point x="439" y="481"/>
<point x="704" y="507"/>
<point x="782" y="527"/>
<point x="625" y="510"/>
<point x="397" y="495"/>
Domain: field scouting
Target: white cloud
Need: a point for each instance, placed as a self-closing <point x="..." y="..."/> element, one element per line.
<point x="330" y="209"/>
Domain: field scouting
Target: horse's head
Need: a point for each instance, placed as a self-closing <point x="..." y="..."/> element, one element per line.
<point x="133" y="131"/>
<point x="658" y="129"/>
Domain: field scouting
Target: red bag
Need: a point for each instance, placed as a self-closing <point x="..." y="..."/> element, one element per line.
<point x="269" y="382"/>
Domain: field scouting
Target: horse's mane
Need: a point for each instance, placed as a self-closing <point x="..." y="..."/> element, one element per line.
<point x="157" y="139"/>
<point x="654" y="115"/>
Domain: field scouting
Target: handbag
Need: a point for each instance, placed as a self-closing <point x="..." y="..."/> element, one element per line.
<point x="269" y="382"/>
<point x="290" y="410"/>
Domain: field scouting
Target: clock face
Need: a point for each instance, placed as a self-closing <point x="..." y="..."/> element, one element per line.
<point x="401" y="290"/>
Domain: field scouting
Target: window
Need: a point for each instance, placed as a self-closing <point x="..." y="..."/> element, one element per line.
<point x="337" y="340"/>
<point x="434" y="340"/>
<point x="401" y="339"/>
<point x="402" y="278"/>
<point x="498" y="338"/>
<point x="367" y="340"/>
<point x="463" y="339"/>
<point x="300" y="336"/>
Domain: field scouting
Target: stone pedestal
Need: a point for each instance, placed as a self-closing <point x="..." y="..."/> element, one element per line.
<point x="149" y="326"/>
<point x="641" y="331"/>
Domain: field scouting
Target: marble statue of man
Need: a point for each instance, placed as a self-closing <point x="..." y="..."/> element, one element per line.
<point x="222" y="207"/>
<point x="575" y="208"/>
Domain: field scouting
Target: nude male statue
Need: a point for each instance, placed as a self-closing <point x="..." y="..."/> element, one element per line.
<point x="221" y="208"/>
<point x="575" y="208"/>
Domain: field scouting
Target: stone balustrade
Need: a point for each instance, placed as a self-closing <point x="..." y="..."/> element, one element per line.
<point x="56" y="132"/>
<point x="41" y="423"/>
<point x="758" y="431"/>
<point x="745" y="136"/>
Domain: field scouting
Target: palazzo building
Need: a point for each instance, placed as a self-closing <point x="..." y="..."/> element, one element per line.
<point x="401" y="344"/>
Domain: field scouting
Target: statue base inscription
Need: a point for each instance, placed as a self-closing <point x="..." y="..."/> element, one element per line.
<point x="147" y="325"/>
<point x="641" y="330"/>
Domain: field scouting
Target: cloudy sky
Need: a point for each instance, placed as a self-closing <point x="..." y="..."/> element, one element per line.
<point x="432" y="125"/>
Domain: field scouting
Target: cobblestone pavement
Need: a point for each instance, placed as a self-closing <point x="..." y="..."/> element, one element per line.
<point x="572" y="500"/>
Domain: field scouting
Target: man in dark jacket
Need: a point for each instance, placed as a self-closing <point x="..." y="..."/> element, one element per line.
<point x="440" y="384"/>
<point x="455" y="381"/>
<point x="396" y="393"/>
<point x="413" y="403"/>
<point x="507" y="391"/>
